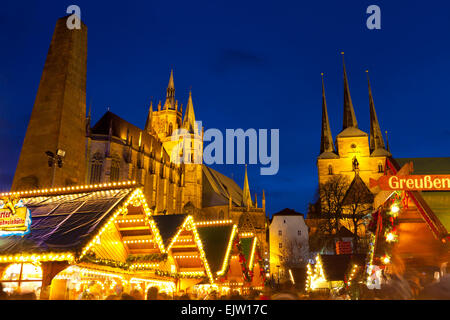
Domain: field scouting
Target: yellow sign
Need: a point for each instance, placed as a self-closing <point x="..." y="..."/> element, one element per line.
<point x="15" y="218"/>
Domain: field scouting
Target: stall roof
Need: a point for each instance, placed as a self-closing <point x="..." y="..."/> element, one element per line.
<point x="336" y="266"/>
<point x="64" y="222"/>
<point x="215" y="241"/>
<point x="168" y="225"/>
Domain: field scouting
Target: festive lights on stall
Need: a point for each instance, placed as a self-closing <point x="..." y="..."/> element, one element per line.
<point x="213" y="223"/>
<point x="136" y="195"/>
<point x="316" y="276"/>
<point x="246" y="235"/>
<point x="38" y="257"/>
<point x="227" y="254"/>
<point x="252" y="254"/>
<point x="90" y="187"/>
<point x="189" y="225"/>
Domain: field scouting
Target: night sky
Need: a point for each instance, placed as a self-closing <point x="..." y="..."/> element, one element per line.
<point x="251" y="64"/>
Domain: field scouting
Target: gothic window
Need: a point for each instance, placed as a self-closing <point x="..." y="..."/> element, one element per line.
<point x="279" y="232"/>
<point x="330" y="169"/>
<point x="115" y="169"/>
<point x="96" y="168"/>
<point x="380" y="167"/>
<point x="221" y="214"/>
<point x="299" y="232"/>
<point x="170" y="129"/>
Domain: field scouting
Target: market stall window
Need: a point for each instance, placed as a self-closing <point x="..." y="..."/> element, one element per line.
<point x="22" y="277"/>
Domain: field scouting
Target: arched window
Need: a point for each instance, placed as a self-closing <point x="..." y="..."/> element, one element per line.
<point x="115" y="169"/>
<point x="96" y="168"/>
<point x="221" y="215"/>
<point x="170" y="129"/>
<point x="330" y="169"/>
<point x="380" y="167"/>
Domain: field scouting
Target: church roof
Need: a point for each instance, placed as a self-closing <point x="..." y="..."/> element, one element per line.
<point x="351" y="132"/>
<point x="64" y="223"/>
<point x="357" y="192"/>
<point x="328" y="155"/>
<point x="120" y="128"/>
<point x="217" y="189"/>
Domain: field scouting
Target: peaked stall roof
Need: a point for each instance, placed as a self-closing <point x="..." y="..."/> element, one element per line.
<point x="64" y="222"/>
<point x="168" y="225"/>
<point x="337" y="266"/>
<point x="216" y="240"/>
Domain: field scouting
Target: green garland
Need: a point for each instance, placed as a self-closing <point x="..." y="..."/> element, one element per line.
<point x="92" y="258"/>
<point x="154" y="257"/>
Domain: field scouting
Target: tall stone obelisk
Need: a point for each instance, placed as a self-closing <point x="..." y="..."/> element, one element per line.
<point x="57" y="122"/>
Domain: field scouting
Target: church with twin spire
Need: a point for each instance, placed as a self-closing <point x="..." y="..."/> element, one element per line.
<point x="354" y="152"/>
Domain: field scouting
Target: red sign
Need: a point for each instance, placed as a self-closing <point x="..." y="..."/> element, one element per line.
<point x="412" y="182"/>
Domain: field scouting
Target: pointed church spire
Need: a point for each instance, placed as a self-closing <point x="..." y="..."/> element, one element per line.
<point x="376" y="137"/>
<point x="246" y="196"/>
<point x="326" y="141"/>
<point x="264" y="200"/>
<point x="170" y="96"/>
<point x="349" y="112"/>
<point x="148" y="123"/>
<point x="189" y="117"/>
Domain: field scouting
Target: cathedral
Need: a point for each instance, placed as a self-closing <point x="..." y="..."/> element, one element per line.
<point x="63" y="148"/>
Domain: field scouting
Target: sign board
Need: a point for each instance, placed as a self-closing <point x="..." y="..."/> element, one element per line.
<point x="15" y="218"/>
<point x="412" y="182"/>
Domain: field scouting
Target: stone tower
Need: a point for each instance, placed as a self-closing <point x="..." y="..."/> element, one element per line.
<point x="351" y="143"/>
<point x="193" y="159"/>
<point x="57" y="122"/>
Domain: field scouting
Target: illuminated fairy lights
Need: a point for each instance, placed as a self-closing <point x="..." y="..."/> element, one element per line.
<point x="227" y="254"/>
<point x="187" y="225"/>
<point x="192" y="273"/>
<point x="291" y="276"/>
<point x="38" y="257"/>
<point x="144" y="266"/>
<point x="246" y="235"/>
<point x="90" y="187"/>
<point x="314" y="277"/>
<point x="213" y="223"/>
<point x="136" y="195"/>
<point x="352" y="274"/>
<point x="252" y="254"/>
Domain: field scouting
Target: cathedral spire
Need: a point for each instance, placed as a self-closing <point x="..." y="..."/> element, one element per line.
<point x="326" y="141"/>
<point x="376" y="137"/>
<point x="189" y="117"/>
<point x="246" y="196"/>
<point x="170" y="96"/>
<point x="148" y="123"/>
<point x="349" y="112"/>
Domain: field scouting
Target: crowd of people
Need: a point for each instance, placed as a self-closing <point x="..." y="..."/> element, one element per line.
<point x="397" y="289"/>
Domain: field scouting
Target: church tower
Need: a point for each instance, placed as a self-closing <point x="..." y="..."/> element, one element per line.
<point x="54" y="148"/>
<point x="352" y="153"/>
<point x="193" y="157"/>
<point x="166" y="120"/>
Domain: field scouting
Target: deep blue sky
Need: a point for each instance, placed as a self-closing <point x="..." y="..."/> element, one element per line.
<point x="251" y="64"/>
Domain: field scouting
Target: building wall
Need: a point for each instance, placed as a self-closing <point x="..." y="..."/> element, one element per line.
<point x="348" y="148"/>
<point x="294" y="246"/>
